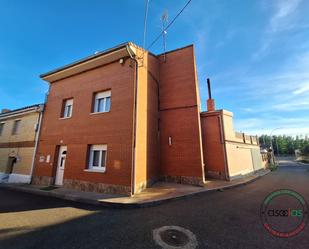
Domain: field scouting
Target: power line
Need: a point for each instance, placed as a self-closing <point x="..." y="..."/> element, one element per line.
<point x="170" y="24"/>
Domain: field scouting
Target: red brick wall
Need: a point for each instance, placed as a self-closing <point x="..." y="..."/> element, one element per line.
<point x="213" y="145"/>
<point x="113" y="128"/>
<point x="179" y="115"/>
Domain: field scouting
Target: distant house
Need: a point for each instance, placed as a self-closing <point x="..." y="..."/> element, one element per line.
<point x="121" y="119"/>
<point x="19" y="131"/>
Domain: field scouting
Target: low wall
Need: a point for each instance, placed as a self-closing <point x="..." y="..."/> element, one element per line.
<point x="242" y="159"/>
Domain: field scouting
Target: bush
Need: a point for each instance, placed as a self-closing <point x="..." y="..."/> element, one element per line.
<point x="273" y="167"/>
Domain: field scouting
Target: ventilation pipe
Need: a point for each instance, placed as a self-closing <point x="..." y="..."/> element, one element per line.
<point x="210" y="101"/>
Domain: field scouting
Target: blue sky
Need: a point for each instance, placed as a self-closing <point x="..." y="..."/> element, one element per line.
<point x="255" y="52"/>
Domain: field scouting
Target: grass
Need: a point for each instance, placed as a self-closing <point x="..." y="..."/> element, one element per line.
<point x="273" y="167"/>
<point x="48" y="188"/>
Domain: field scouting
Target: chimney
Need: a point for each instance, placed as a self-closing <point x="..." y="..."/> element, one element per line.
<point x="5" y="110"/>
<point x="210" y="101"/>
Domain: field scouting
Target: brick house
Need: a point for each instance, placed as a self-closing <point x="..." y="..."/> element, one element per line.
<point x="119" y="120"/>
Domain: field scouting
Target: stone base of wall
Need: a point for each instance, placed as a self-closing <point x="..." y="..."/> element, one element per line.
<point x="251" y="173"/>
<point x="215" y="175"/>
<point x="143" y="185"/>
<point x="198" y="181"/>
<point x="96" y="187"/>
<point x="4" y="177"/>
<point x="19" y="178"/>
<point x="42" y="180"/>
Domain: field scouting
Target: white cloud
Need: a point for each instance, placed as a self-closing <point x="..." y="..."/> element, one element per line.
<point x="295" y="105"/>
<point x="264" y="125"/>
<point x="284" y="18"/>
<point x="281" y="19"/>
<point x="302" y="89"/>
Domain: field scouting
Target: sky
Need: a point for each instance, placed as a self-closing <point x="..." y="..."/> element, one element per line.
<point x="255" y="52"/>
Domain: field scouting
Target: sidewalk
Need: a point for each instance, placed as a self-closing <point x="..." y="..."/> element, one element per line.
<point x="155" y="195"/>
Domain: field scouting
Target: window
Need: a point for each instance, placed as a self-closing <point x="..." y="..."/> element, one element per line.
<point x="1" y="128"/>
<point x="102" y="102"/>
<point x="97" y="157"/>
<point x="16" y="127"/>
<point x="67" y="108"/>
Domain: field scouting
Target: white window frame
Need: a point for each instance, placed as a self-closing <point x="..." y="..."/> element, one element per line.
<point x="66" y="113"/>
<point x="1" y="127"/>
<point x="100" y="148"/>
<point x="101" y="96"/>
<point x="16" y="129"/>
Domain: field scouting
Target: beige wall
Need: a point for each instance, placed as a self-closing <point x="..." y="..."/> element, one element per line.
<point x="4" y="156"/>
<point x="230" y="133"/>
<point x="242" y="159"/>
<point x="25" y="139"/>
<point x="228" y="125"/>
<point x="146" y="158"/>
<point x="22" y="166"/>
<point x="26" y="131"/>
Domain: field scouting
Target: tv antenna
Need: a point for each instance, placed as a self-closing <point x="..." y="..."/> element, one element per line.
<point x="164" y="20"/>
<point x="145" y="23"/>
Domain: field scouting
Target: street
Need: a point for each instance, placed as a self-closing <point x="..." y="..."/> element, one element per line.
<point x="228" y="219"/>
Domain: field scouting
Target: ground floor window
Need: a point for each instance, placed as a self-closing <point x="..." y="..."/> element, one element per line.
<point x="97" y="157"/>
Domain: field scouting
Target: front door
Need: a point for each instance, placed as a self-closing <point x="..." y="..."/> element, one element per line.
<point x="61" y="165"/>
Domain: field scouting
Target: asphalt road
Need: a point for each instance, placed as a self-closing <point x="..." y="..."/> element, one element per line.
<point x="228" y="219"/>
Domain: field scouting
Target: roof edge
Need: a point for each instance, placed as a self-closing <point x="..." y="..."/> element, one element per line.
<point x="174" y="50"/>
<point x="36" y="107"/>
<point x="75" y="63"/>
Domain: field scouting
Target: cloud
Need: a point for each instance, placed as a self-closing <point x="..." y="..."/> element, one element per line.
<point x="295" y="105"/>
<point x="302" y="89"/>
<point x="264" y="125"/>
<point x="282" y="17"/>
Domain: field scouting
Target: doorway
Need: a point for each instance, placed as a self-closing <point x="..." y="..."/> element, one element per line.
<point x="61" y="165"/>
<point x="10" y="166"/>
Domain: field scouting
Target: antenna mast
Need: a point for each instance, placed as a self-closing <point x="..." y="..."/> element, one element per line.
<point x="164" y="19"/>
<point x="145" y="23"/>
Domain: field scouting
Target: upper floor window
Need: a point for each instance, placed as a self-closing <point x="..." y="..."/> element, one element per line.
<point x="1" y="128"/>
<point x="67" y="108"/>
<point x="102" y="101"/>
<point x="97" y="157"/>
<point x="16" y="127"/>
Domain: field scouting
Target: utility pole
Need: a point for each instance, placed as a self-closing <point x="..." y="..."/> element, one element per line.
<point x="277" y="147"/>
<point x="271" y="144"/>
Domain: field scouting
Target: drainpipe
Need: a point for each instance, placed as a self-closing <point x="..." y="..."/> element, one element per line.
<point x="38" y="129"/>
<point x="133" y="173"/>
<point x="227" y="173"/>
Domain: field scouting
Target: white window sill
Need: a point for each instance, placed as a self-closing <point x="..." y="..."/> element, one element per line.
<point x="65" y="118"/>
<point x="95" y="113"/>
<point x="95" y="170"/>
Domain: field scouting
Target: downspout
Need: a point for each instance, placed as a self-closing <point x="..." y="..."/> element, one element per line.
<point x="227" y="173"/>
<point x="38" y="129"/>
<point x="133" y="172"/>
<point x="38" y="133"/>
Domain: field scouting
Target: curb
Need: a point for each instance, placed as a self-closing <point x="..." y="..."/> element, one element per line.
<point x="126" y="205"/>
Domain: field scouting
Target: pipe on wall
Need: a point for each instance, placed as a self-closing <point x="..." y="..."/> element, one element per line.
<point x="133" y="172"/>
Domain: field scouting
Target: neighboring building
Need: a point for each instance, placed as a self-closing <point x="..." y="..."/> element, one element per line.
<point x="123" y="118"/>
<point x="228" y="154"/>
<point x="19" y="131"/>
